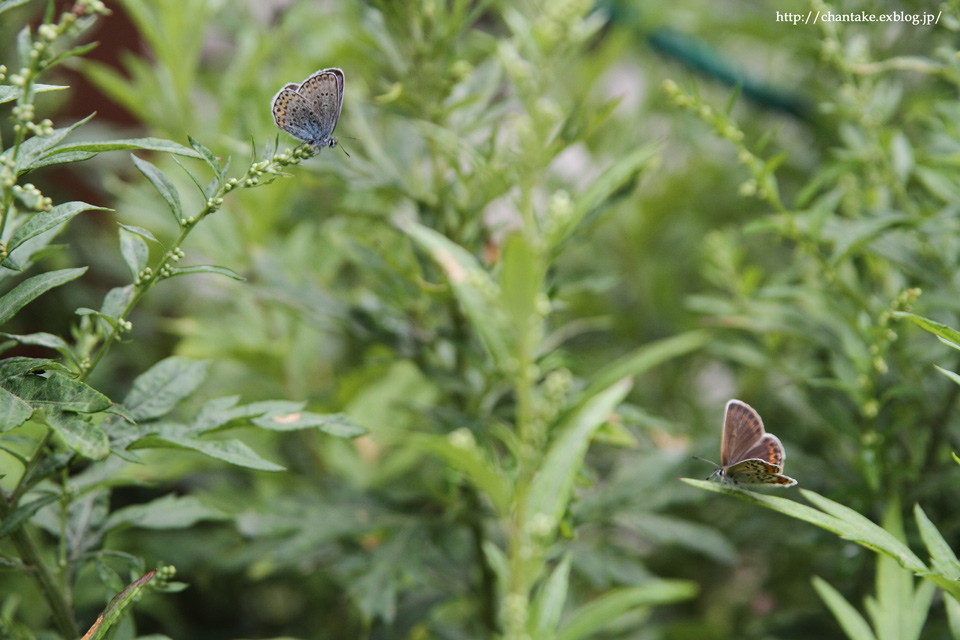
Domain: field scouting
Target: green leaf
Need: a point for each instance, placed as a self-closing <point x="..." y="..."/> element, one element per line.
<point x="32" y="288"/>
<point x="47" y="340"/>
<point x="57" y="391"/>
<point x="33" y="149"/>
<point x="109" y="577"/>
<point x="79" y="434"/>
<point x="953" y="617"/>
<point x="140" y="231"/>
<point x="13" y="411"/>
<point x="591" y="618"/>
<point x="936" y="328"/>
<point x="9" y="93"/>
<point x="551" y="487"/>
<point x="232" y="451"/>
<point x="668" y="530"/>
<point x="942" y="557"/>
<point x="334" y="424"/>
<point x="46" y="220"/>
<point x="207" y="156"/>
<point x="220" y="271"/>
<point x="161" y="388"/>
<point x="63" y="158"/>
<point x="6" y="5"/>
<point x="548" y="604"/>
<point x="111" y="615"/>
<point x="619" y="175"/>
<point x="24" y="45"/>
<point x="128" y="144"/>
<point x="950" y="374"/>
<point x="162" y="184"/>
<point x="15" y="519"/>
<point x="460" y="452"/>
<point x="71" y="53"/>
<point x="135" y="253"/>
<point x="835" y="517"/>
<point x="852" y="623"/>
<point x="520" y="281"/>
<point x="863" y="531"/>
<point x="646" y="357"/>
<point x="168" y="512"/>
<point x="116" y="301"/>
<point x="470" y="283"/>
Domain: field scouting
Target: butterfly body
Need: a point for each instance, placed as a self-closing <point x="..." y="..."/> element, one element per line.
<point x="309" y="111"/>
<point x="748" y="454"/>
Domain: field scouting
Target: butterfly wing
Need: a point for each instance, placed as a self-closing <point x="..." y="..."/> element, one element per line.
<point x="742" y="431"/>
<point x="324" y="92"/>
<point x="769" y="449"/>
<point x="755" y="471"/>
<point x="294" y="114"/>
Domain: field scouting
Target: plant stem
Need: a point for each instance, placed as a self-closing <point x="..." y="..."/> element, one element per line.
<point x="33" y="561"/>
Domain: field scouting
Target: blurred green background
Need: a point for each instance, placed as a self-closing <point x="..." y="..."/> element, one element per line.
<point x="802" y="180"/>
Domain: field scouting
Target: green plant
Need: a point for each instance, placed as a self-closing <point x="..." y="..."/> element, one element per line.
<point x="72" y="442"/>
<point x="856" y="239"/>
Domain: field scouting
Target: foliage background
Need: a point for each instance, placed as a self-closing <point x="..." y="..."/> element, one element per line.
<point x="793" y="277"/>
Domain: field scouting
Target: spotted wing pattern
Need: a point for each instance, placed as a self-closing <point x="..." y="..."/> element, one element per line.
<point x="310" y="111"/>
<point x="293" y="114"/>
<point x="755" y="471"/>
<point x="749" y="455"/>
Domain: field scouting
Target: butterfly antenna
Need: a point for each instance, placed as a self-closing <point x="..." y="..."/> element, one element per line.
<point x="711" y="476"/>
<point x="344" y="150"/>
<point x="705" y="460"/>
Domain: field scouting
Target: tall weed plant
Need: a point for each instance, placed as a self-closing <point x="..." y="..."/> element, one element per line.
<point x="532" y="345"/>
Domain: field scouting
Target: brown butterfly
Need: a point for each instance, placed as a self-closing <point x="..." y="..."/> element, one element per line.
<point x="748" y="454"/>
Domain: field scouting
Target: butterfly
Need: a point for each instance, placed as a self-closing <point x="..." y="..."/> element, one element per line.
<point x="748" y="454"/>
<point x="309" y="111"/>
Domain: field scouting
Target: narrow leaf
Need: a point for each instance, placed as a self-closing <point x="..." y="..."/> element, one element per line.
<point x="469" y="282"/>
<point x="862" y="530"/>
<point x="590" y="619"/>
<point x="23" y="513"/>
<point x="9" y="93"/>
<point x="32" y="288"/>
<point x="135" y="253"/>
<point x="63" y="158"/>
<point x="462" y="453"/>
<point x="116" y="608"/>
<point x="852" y="623"/>
<point x="79" y="434"/>
<point x="140" y="231"/>
<point x="57" y="391"/>
<point x="220" y="271"/>
<point x="549" y="602"/>
<point x="551" y="488"/>
<point x="46" y="220"/>
<point x="13" y="411"/>
<point x="646" y="357"/>
<point x="128" y="144"/>
<point x="335" y="424"/>
<point x="6" y="5"/>
<point x="168" y="512"/>
<point x="950" y="374"/>
<point x="33" y="149"/>
<point x="934" y="327"/>
<point x="232" y="451"/>
<point x="161" y="388"/>
<point x="209" y="158"/>
<point x="942" y="557"/>
<point x="162" y="184"/>
<point x="615" y="178"/>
